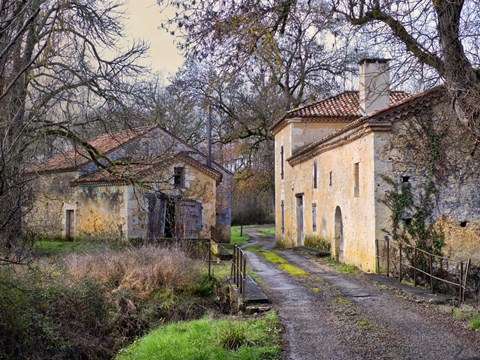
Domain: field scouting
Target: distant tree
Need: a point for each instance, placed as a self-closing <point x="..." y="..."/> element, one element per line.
<point x="55" y="78"/>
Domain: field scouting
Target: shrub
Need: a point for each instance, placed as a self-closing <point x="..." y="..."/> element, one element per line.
<point x="141" y="270"/>
<point x="89" y="305"/>
<point x="318" y="242"/>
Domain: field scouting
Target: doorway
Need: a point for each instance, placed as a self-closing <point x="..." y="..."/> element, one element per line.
<point x="69" y="224"/>
<point x="300" y="230"/>
<point x="339" y="240"/>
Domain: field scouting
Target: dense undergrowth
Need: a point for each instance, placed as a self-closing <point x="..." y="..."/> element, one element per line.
<point x="88" y="305"/>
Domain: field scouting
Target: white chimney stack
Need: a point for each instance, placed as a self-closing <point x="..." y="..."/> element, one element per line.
<point x="374" y="85"/>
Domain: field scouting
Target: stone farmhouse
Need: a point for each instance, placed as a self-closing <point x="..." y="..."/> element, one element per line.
<point x="158" y="187"/>
<point x="338" y="160"/>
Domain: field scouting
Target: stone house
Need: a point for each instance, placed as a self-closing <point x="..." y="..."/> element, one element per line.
<point x="158" y="187"/>
<point x="338" y="162"/>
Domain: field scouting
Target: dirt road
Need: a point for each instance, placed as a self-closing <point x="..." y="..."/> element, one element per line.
<point x="331" y="315"/>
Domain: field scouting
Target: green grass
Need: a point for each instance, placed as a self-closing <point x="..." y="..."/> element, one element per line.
<point x="51" y="247"/>
<point x="282" y="263"/>
<point x="267" y="231"/>
<point x="474" y="323"/>
<point x="253" y="338"/>
<point x="255" y="248"/>
<point x="236" y="239"/>
<point x="340" y="267"/>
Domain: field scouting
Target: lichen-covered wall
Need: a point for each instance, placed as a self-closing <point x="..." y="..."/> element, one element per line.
<point x="52" y="197"/>
<point x="101" y="212"/>
<point x="155" y="143"/>
<point x="433" y="142"/>
<point x="198" y="186"/>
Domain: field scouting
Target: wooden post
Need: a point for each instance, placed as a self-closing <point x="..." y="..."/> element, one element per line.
<point x="209" y="260"/>
<point x="377" y="257"/>
<point x="388" y="255"/>
<point x="241" y="230"/>
<point x="431" y="274"/>
<point x="400" y="262"/>
<point x="461" y="283"/>
<point x="415" y="266"/>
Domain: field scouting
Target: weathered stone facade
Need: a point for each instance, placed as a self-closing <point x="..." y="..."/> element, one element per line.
<point x="332" y="176"/>
<point x="76" y="197"/>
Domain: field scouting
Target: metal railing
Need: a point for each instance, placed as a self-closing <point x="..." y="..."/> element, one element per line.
<point x="238" y="272"/>
<point x="400" y="259"/>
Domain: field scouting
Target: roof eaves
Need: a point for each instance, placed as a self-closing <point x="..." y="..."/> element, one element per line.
<point x="372" y="119"/>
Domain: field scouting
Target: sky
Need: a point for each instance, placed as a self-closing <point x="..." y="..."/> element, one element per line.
<point x="142" y="22"/>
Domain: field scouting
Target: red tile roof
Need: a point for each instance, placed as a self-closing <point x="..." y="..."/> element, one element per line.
<point x="76" y="156"/>
<point x="342" y="107"/>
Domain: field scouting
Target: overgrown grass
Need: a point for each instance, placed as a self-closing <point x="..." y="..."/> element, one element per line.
<point x="238" y="239"/>
<point x="282" y="263"/>
<point x="474" y="324"/>
<point x="318" y="242"/>
<point x="252" y="338"/>
<point x="90" y="304"/>
<point x="255" y="248"/>
<point x="467" y="313"/>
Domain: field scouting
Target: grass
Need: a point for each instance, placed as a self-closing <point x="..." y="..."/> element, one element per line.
<point x="267" y="231"/>
<point x="254" y="248"/>
<point x="238" y="239"/>
<point x="52" y="247"/>
<point x="467" y="313"/>
<point x="282" y="263"/>
<point x="212" y="339"/>
<point x="474" y="323"/>
<point x="340" y="267"/>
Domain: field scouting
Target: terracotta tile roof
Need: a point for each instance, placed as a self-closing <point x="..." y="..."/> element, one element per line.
<point x="76" y="156"/>
<point x="130" y="172"/>
<point x="342" y="107"/>
<point x="404" y="105"/>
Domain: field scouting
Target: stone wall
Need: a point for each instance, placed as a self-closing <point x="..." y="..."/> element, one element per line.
<point x="433" y="142"/>
<point x="52" y="197"/>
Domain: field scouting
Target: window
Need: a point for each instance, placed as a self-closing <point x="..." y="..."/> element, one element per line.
<point x="283" y="217"/>
<point x="314" y="217"/>
<point x="281" y="160"/>
<point x="315" y="174"/>
<point x="179" y="177"/>
<point x="356" y="180"/>
<point x="330" y="180"/>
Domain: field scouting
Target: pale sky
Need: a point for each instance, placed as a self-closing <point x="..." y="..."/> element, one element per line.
<point x="142" y="21"/>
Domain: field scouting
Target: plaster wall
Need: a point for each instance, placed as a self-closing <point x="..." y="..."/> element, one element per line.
<point x="101" y="212"/>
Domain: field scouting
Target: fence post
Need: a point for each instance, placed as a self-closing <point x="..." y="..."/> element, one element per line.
<point x="209" y="260"/>
<point x="461" y="283"/>
<point x="415" y="266"/>
<point x="377" y="257"/>
<point x="400" y="262"/>
<point x="431" y="275"/>
<point x="244" y="277"/>
<point x="388" y="255"/>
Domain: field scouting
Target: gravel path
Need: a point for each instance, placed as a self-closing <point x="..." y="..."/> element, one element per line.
<point x="330" y="315"/>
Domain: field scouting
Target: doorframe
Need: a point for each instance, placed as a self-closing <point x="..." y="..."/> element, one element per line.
<point x="300" y="204"/>
<point x="339" y="235"/>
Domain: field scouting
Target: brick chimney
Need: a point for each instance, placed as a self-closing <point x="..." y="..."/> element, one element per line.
<point x="374" y="85"/>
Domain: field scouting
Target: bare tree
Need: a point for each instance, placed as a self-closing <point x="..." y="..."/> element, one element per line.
<point x="441" y="34"/>
<point x="55" y="73"/>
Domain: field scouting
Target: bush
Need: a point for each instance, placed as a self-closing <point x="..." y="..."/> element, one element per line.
<point x="318" y="242"/>
<point x="89" y="305"/>
<point x="141" y="270"/>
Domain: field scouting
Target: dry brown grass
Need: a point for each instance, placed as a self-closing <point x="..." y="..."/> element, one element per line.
<point x="141" y="270"/>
